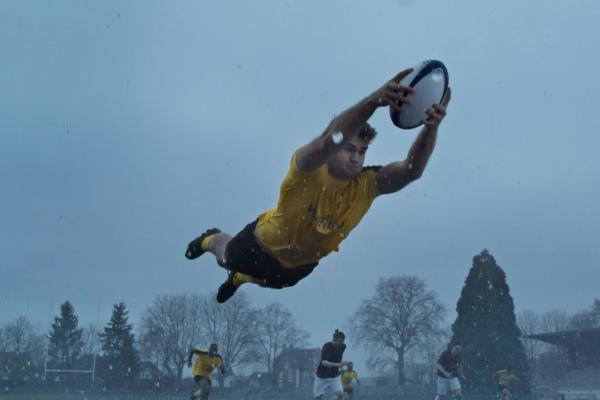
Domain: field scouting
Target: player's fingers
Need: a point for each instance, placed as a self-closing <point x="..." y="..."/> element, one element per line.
<point x="401" y="98"/>
<point x="447" y="97"/>
<point x="435" y="112"/>
<point x="402" y="74"/>
<point x="430" y="112"/>
<point x="397" y="88"/>
<point x="434" y="118"/>
<point x="440" y="109"/>
<point x="404" y="89"/>
<point x="392" y="102"/>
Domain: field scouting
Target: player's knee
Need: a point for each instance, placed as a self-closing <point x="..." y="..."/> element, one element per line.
<point x="222" y="261"/>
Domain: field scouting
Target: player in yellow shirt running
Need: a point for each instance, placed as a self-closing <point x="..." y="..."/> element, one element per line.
<point x="206" y="363"/>
<point x="347" y="376"/>
<point x="324" y="195"/>
<point x="505" y="379"/>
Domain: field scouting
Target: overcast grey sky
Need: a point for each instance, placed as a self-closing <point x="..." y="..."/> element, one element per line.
<point x="128" y="128"/>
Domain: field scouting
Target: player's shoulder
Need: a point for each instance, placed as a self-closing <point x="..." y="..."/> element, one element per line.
<point x="327" y="346"/>
<point x="296" y="176"/>
<point x="368" y="175"/>
<point x="374" y="168"/>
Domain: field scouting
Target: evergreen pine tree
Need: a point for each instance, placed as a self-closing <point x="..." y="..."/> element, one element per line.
<point x="120" y="360"/>
<point x="65" y="342"/>
<point x="487" y="329"/>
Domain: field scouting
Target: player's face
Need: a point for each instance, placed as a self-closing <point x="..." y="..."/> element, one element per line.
<point x="338" y="342"/>
<point x="456" y="349"/>
<point x="349" y="160"/>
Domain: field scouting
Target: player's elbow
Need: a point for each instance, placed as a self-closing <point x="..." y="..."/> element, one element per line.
<point x="415" y="173"/>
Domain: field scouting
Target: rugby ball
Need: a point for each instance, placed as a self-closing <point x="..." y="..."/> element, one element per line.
<point x="430" y="81"/>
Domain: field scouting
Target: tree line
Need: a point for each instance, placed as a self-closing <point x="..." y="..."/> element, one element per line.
<point x="171" y="326"/>
<point x="547" y="362"/>
<point x="401" y="323"/>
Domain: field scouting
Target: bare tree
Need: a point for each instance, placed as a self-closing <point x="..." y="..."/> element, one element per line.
<point x="530" y="323"/>
<point x="419" y="361"/>
<point x="401" y="316"/>
<point x="20" y="336"/>
<point x="171" y="326"/>
<point x="555" y="321"/>
<point x="36" y="346"/>
<point x="427" y="353"/>
<point x="3" y="339"/>
<point x="275" y="329"/>
<point x="587" y="319"/>
<point x="91" y="339"/>
<point x="18" y="333"/>
<point x="230" y="325"/>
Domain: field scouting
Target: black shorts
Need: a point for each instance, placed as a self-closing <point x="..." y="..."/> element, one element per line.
<point x="245" y="255"/>
<point x="199" y="378"/>
<point x="349" y="390"/>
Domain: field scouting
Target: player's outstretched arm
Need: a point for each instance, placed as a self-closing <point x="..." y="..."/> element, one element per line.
<point x="397" y="175"/>
<point x="332" y="364"/>
<point x="346" y="126"/>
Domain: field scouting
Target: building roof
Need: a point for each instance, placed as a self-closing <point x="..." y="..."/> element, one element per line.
<point x="573" y="339"/>
<point x="14" y="358"/>
<point x="12" y="364"/>
<point x="148" y="366"/>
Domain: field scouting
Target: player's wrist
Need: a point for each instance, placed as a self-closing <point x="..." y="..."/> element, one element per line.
<point x="375" y="100"/>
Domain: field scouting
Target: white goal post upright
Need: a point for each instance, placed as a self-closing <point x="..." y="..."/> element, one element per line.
<point x="71" y="371"/>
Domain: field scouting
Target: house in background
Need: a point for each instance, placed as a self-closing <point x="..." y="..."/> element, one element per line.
<point x="576" y="372"/>
<point x="148" y="371"/>
<point x="295" y="368"/>
<point x="16" y="367"/>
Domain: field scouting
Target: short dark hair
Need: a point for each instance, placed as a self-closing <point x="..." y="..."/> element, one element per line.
<point x="367" y="133"/>
<point x="338" y="335"/>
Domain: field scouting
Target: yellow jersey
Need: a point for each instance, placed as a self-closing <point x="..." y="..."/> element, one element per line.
<point x="205" y="364"/>
<point x="347" y="377"/>
<point x="314" y="214"/>
<point x="505" y="378"/>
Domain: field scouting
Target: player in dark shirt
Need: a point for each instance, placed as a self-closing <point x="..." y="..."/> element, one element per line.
<point x="328" y="371"/>
<point x="449" y="370"/>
